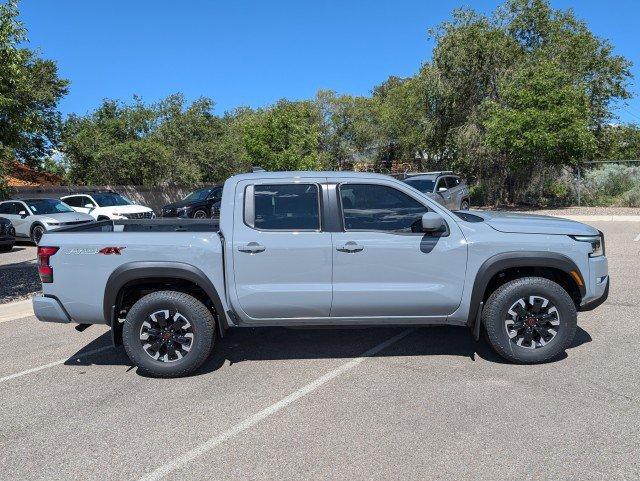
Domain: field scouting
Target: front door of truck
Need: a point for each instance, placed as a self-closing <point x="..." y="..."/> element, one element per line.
<point x="281" y="257"/>
<point x="384" y="266"/>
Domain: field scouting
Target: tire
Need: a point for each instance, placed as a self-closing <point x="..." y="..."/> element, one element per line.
<point x="200" y="214"/>
<point x="464" y="205"/>
<point x="188" y="356"/>
<point x="504" y="313"/>
<point x="36" y="233"/>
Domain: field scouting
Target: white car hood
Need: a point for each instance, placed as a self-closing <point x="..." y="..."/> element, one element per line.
<point x="127" y="209"/>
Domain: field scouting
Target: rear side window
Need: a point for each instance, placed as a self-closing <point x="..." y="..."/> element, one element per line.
<point x="6" y="208"/>
<point x="380" y="208"/>
<point x="423" y="185"/>
<point x="286" y="207"/>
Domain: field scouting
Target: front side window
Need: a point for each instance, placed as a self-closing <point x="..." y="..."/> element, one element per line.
<point x="380" y="208"/>
<point x="286" y="207"/>
<point x="73" y="201"/>
<point x="442" y="185"/>
<point x="453" y="182"/>
<point x="47" y="206"/>
<point x="109" y="199"/>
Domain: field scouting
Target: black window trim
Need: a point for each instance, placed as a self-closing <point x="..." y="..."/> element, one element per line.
<point x="248" y="211"/>
<point x="429" y="209"/>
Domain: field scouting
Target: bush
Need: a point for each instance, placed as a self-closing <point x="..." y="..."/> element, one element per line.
<point x="630" y="198"/>
<point x="610" y="184"/>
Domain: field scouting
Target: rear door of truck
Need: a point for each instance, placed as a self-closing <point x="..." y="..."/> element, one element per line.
<point x="282" y="260"/>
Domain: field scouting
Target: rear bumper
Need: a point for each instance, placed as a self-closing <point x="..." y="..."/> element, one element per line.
<point x="49" y="309"/>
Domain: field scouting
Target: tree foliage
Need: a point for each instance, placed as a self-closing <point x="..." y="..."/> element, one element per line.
<point x="29" y="93"/>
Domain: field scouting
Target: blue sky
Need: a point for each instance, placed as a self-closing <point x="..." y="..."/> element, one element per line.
<point x="255" y="52"/>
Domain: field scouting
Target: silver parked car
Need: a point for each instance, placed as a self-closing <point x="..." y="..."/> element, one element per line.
<point x="31" y="218"/>
<point x="442" y="186"/>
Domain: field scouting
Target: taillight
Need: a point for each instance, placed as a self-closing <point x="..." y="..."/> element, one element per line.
<point x="44" y="269"/>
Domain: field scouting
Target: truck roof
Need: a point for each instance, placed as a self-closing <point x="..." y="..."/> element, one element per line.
<point x="307" y="174"/>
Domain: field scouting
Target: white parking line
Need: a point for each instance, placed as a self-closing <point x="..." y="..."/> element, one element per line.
<point x="53" y="364"/>
<point x="215" y="441"/>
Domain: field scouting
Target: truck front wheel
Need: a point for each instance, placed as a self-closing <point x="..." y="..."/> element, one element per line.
<point x="168" y="334"/>
<point x="530" y="320"/>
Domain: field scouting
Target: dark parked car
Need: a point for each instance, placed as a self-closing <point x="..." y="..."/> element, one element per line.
<point x="199" y="204"/>
<point x="7" y="235"/>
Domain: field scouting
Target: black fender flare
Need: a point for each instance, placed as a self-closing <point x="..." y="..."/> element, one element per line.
<point x="132" y="271"/>
<point x="506" y="260"/>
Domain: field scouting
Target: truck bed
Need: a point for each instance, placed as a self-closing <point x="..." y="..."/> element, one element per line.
<point x="146" y="225"/>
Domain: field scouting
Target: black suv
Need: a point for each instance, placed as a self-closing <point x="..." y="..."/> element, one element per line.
<point x="199" y="204"/>
<point x="7" y="235"/>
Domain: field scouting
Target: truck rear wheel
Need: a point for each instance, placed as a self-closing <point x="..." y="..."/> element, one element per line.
<point x="530" y="320"/>
<point x="168" y="334"/>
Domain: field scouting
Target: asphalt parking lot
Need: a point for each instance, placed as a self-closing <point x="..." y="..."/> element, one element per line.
<point x="425" y="403"/>
<point x="18" y="273"/>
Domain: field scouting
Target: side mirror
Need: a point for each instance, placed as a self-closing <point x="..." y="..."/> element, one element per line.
<point x="431" y="222"/>
<point x="89" y="206"/>
<point x="442" y="189"/>
<point x="23" y="213"/>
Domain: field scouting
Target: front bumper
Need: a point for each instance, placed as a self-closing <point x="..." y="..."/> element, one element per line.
<point x="597" y="283"/>
<point x="49" y="309"/>
<point x="592" y="304"/>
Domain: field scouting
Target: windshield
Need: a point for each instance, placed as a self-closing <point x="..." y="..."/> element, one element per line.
<point x="198" y="195"/>
<point x="423" y="185"/>
<point x="108" y="199"/>
<point x="47" y="206"/>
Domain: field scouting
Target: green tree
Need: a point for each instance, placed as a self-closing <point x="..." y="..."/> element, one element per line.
<point x="286" y="136"/>
<point x="29" y="93"/>
<point x="541" y="118"/>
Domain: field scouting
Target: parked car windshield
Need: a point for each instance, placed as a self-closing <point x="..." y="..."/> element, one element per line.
<point x="47" y="206"/>
<point x="108" y="199"/>
<point x="423" y="185"/>
<point x="198" y="195"/>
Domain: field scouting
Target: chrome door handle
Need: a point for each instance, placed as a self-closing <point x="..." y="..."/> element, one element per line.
<point x="350" y="247"/>
<point x="252" y="248"/>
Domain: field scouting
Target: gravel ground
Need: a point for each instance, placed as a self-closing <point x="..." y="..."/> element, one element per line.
<point x="18" y="273"/>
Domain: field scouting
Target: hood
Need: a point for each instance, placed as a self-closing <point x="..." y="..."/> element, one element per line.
<point x="65" y="217"/>
<point x="512" y="222"/>
<point x="127" y="209"/>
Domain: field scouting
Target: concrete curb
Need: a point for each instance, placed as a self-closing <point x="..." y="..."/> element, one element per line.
<point x="15" y="310"/>
<point x="601" y="218"/>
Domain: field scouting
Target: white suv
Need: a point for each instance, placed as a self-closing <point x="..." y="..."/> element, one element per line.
<point x="106" y="205"/>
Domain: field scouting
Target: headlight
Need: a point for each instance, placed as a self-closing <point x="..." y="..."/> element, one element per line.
<point x="597" y="243"/>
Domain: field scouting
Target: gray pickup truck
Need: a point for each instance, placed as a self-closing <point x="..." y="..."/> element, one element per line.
<point x="323" y="248"/>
